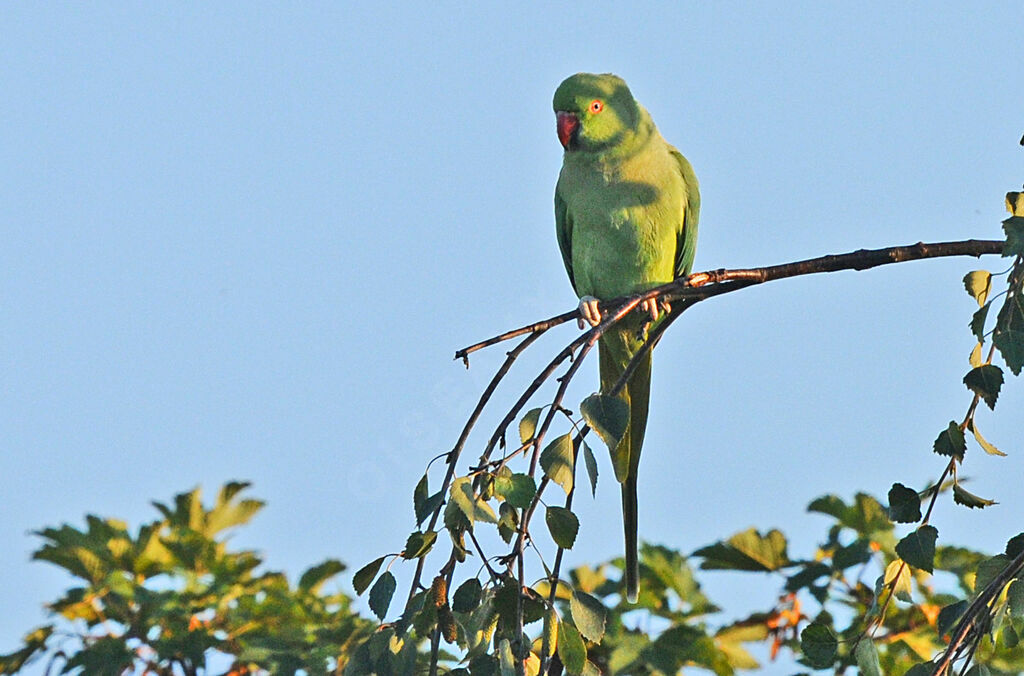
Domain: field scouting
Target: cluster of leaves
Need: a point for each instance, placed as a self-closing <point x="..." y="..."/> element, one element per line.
<point x="172" y="597"/>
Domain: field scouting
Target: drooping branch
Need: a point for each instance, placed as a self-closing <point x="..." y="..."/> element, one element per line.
<point x="718" y="282"/>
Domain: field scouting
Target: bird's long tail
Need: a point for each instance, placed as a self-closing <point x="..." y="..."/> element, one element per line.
<point x="616" y="348"/>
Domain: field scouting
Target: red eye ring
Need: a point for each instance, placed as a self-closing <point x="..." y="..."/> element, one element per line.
<point x="596" y="106"/>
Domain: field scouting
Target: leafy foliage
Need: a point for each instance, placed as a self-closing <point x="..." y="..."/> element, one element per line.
<point x="172" y="595"/>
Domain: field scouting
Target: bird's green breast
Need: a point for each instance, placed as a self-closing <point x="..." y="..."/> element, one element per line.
<point x="625" y="216"/>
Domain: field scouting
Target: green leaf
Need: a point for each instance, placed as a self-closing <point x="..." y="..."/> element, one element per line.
<point x="423" y="505"/>
<point x="608" y="416"/>
<point x="918" y="548"/>
<point x="1014" y="229"/>
<point x="985" y="445"/>
<point x="380" y="594"/>
<point x="1014" y="546"/>
<point x="1015" y="596"/>
<point x="517" y="489"/>
<point x="819" y="645"/>
<point x="589" y="615"/>
<point x="364" y="576"/>
<point x="315" y="577"/>
<point x="951" y="442"/>
<point x="506" y="660"/>
<point x="866" y="655"/>
<point x="747" y="550"/>
<point x="948" y="617"/>
<point x="563" y="526"/>
<point x="985" y="381"/>
<point x="557" y="462"/>
<point x="924" y="669"/>
<point x="508" y="522"/>
<point x="904" y="504"/>
<point x="1008" y="335"/>
<point x="854" y="554"/>
<point x="571" y="649"/>
<point x="897" y="575"/>
<point x="1010" y="637"/>
<point x="962" y="497"/>
<point x="528" y="425"/>
<point x="807" y="576"/>
<point x="418" y="544"/>
<point x="978" y="284"/>
<point x="467" y="596"/>
<point x="977" y="323"/>
<point x="473" y="506"/>
<point x="591" y="464"/>
<point x="988" y="570"/>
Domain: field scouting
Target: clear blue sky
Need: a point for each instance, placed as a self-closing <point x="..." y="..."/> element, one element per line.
<point x="242" y="240"/>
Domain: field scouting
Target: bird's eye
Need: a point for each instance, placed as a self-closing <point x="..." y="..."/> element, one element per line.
<point x="596" y="106"/>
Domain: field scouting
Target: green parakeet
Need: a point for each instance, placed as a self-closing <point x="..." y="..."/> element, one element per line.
<point x="626" y="209"/>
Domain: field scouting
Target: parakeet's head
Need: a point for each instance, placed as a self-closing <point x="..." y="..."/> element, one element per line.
<point x="594" y="112"/>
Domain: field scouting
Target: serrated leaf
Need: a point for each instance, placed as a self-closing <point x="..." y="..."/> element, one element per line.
<point x="528" y="425"/>
<point x="866" y="655"/>
<point x="904" y="504"/>
<point x="1008" y="335"/>
<point x="591" y="463"/>
<point x="948" y="617"/>
<point x="364" y="576"/>
<point x="589" y="615"/>
<point x="977" y="323"/>
<point x="557" y="462"/>
<point x="962" y="497"/>
<point x="517" y="489"/>
<point x="1014" y="229"/>
<point x="918" y="548"/>
<point x="978" y="284"/>
<point x="608" y="416"/>
<point x="897" y="575"/>
<point x="380" y="594"/>
<point x="563" y="526"/>
<point x="985" y="446"/>
<point x="467" y="596"/>
<point x="418" y="544"/>
<point x="951" y="442"/>
<point x="819" y="645"/>
<point x="571" y="649"/>
<point x="985" y="381"/>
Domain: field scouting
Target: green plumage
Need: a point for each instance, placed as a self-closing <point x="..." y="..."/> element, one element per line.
<point x="626" y="210"/>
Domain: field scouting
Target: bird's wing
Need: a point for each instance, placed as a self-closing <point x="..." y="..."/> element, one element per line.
<point x="563" y="229"/>
<point x="686" y="234"/>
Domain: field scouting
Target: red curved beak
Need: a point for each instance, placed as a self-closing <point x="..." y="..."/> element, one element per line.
<point x="568" y="123"/>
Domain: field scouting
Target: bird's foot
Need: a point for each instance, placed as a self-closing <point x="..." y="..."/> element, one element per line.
<point x="589" y="312"/>
<point x="654" y="307"/>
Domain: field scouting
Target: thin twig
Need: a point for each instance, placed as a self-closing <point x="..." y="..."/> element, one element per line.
<point x="456" y="451"/>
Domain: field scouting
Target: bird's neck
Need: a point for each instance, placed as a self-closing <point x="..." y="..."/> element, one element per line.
<point x="633" y="142"/>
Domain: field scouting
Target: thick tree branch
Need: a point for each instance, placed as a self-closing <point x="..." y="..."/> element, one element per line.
<point x="723" y="281"/>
